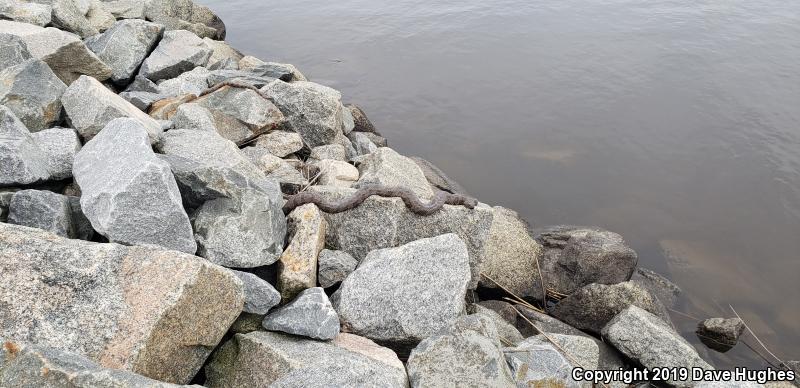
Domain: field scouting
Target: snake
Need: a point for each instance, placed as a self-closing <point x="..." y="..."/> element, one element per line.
<point x="412" y="202"/>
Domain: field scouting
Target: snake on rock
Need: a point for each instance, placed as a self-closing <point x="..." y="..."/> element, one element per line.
<point x="413" y="203"/>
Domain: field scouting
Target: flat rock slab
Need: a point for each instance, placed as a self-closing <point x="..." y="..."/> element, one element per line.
<point x="403" y="295"/>
<point x="178" y="52"/>
<point x="312" y="110"/>
<point x="26" y="365"/>
<point x="33" y="92"/>
<point x="129" y="194"/>
<point x="154" y="312"/>
<point x="65" y="53"/>
<point x="124" y="47"/>
<point x="648" y="340"/>
<point x="261" y="359"/>
<point x="297" y="268"/>
<point x="310" y="314"/>
<point x="90" y="106"/>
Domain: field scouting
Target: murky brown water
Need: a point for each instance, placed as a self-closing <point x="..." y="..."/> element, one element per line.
<point x="675" y="123"/>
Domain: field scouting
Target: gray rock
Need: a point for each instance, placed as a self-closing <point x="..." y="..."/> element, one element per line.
<point x="70" y="15"/>
<point x="90" y="107"/>
<point x="194" y="116"/>
<point x="44" y="210"/>
<point x="241" y="114"/>
<point x="65" y="53"/>
<point x="329" y="151"/>
<point x="280" y="143"/>
<point x="249" y="62"/>
<point x="388" y="168"/>
<point x="200" y="182"/>
<point x="261" y="359"/>
<point x="545" y="322"/>
<point x="245" y="231"/>
<point x="282" y="71"/>
<point x="281" y="170"/>
<point x="507" y="333"/>
<point x="312" y="110"/>
<point x="165" y="108"/>
<point x="223" y="64"/>
<point x="259" y="296"/>
<point x="593" y="306"/>
<point x="510" y="256"/>
<point x="575" y="256"/>
<point x="142" y="84"/>
<point x="436" y="177"/>
<point x="378" y="140"/>
<point x="13" y="51"/>
<point x="99" y="17"/>
<point x="22" y="160"/>
<point x="652" y="343"/>
<point x="720" y="334"/>
<point x="386" y="222"/>
<point x="25" y="365"/>
<point x="336" y="173"/>
<point x="334" y="266"/>
<point x="310" y="314"/>
<point x="25" y="12"/>
<point x="5" y="202"/>
<point x="238" y="76"/>
<point x="185" y="15"/>
<point x="222" y="51"/>
<point x="59" y="146"/>
<point x="503" y="309"/>
<point x="190" y="82"/>
<point x="33" y="92"/>
<point x="348" y="122"/>
<point x="666" y="291"/>
<point x="142" y="100"/>
<point x="580" y="351"/>
<point x="82" y="227"/>
<point x="125" y="9"/>
<point x="360" y="121"/>
<point x="297" y="268"/>
<point x="124" y="47"/>
<point x="361" y="143"/>
<point x="405" y="294"/>
<point x="536" y="363"/>
<point x="178" y="51"/>
<point x="153" y="312"/>
<point x="129" y="194"/>
<point x="467" y="354"/>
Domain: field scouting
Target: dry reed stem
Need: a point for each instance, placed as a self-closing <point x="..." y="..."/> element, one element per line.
<point x="518" y="299"/>
<point x="755" y="336"/>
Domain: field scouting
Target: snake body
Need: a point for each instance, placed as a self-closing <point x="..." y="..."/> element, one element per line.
<point x="412" y="202"/>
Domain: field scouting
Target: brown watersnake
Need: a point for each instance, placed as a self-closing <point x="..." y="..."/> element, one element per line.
<point x="412" y="202"/>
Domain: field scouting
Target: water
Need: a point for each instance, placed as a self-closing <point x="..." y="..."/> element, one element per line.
<point x="674" y="123"/>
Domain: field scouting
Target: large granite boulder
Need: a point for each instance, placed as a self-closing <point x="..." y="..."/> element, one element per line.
<point x="510" y="256"/>
<point x="185" y="15"/>
<point x="259" y="295"/>
<point x="90" y="106"/>
<point x="178" y="52"/>
<point x="312" y="110"/>
<point x="381" y="222"/>
<point x="125" y="9"/>
<point x="576" y="256"/>
<point x="65" y="53"/>
<point x="48" y="211"/>
<point x="297" y="268"/>
<point x="70" y="15"/>
<point x="467" y="354"/>
<point x="400" y="296"/>
<point x="261" y="359"/>
<point x="593" y="306"/>
<point x="154" y="312"/>
<point x="59" y="145"/>
<point x="124" y="47"/>
<point x="26" y="365"/>
<point x="241" y="114"/>
<point x="649" y="341"/>
<point x="388" y="168"/>
<point x="310" y="314"/>
<point x="22" y="160"/>
<point x="25" y="12"/>
<point x="129" y="194"/>
<point x="33" y="92"/>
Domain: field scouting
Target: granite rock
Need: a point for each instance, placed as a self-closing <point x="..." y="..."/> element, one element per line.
<point x="33" y="92"/>
<point x="241" y="114"/>
<point x="26" y="12"/>
<point x="59" y="146"/>
<point x="280" y="143"/>
<point x="22" y="160"/>
<point x="388" y="168"/>
<point x="13" y="50"/>
<point x="125" y="46"/>
<point x="310" y="314"/>
<point x="178" y="51"/>
<point x="720" y="334"/>
<point x="312" y="110"/>
<point x="334" y="266"/>
<point x="297" y="268"/>
<point x="336" y="173"/>
<point x="259" y="295"/>
<point x="45" y="210"/>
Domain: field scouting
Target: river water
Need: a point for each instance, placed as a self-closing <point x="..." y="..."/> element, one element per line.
<point x="675" y="123"/>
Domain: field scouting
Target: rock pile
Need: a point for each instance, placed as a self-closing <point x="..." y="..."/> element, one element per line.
<point x="144" y="164"/>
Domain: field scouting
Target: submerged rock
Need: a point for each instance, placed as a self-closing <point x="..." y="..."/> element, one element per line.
<point x="310" y="314"/>
<point x="33" y="92"/>
<point x="575" y="256"/>
<point x="261" y="359"/>
<point x="403" y="295"/>
<point x="91" y="106"/>
<point x="466" y="354"/>
<point x="125" y="46"/>
<point x="65" y="53"/>
<point x="178" y="52"/>
<point x="129" y="194"/>
<point x="154" y="312"/>
<point x="720" y="334"/>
